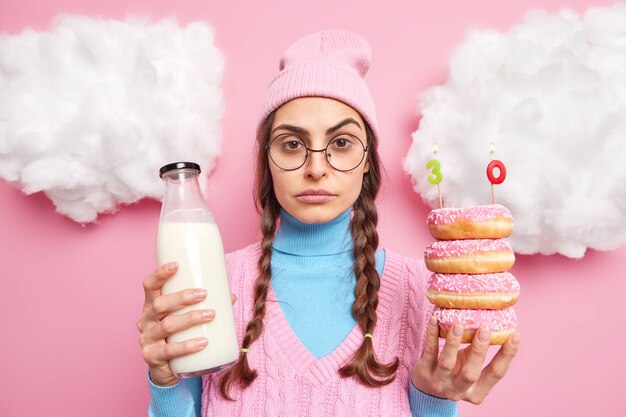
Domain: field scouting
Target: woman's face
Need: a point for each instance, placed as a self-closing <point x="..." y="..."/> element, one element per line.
<point x="316" y="192"/>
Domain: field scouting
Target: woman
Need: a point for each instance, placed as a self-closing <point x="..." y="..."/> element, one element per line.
<point x="329" y="324"/>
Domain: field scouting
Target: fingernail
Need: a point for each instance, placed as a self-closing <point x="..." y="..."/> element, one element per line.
<point x="202" y="342"/>
<point x="515" y="339"/>
<point x="209" y="313"/>
<point x="171" y="266"/>
<point x="483" y="335"/>
<point x="457" y="330"/>
<point x="433" y="321"/>
<point x="199" y="294"/>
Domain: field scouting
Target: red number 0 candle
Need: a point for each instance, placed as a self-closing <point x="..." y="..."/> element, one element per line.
<point x="501" y="176"/>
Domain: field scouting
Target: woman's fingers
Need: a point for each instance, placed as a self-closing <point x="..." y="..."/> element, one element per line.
<point x="233" y="298"/>
<point x="158" y="354"/>
<point x="458" y="374"/>
<point x="177" y="322"/>
<point x="449" y="352"/>
<point x="431" y="347"/>
<point x="157" y="323"/>
<point x="496" y="369"/>
<point x="164" y="305"/>
<point x="470" y="373"/>
<point x="154" y="282"/>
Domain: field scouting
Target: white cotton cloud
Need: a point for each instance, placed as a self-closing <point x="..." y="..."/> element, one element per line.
<point x="551" y="96"/>
<point x="90" y="110"/>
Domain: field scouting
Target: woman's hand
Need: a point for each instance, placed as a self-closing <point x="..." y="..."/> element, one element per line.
<point x="155" y="326"/>
<point x="459" y="374"/>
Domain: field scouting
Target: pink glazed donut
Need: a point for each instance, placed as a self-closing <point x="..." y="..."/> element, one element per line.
<point x="501" y="323"/>
<point x="479" y="291"/>
<point x="470" y="256"/>
<point x="493" y="221"/>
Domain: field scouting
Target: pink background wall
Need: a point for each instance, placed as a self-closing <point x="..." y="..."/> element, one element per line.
<point x="71" y="295"/>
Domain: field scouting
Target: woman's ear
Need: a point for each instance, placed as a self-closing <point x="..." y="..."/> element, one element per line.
<point x="367" y="167"/>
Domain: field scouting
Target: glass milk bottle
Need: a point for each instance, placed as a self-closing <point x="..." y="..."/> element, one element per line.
<point x="188" y="235"/>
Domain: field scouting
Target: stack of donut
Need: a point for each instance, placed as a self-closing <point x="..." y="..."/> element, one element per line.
<point x="470" y="259"/>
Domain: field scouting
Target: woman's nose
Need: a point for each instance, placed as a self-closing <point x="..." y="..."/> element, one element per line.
<point x="316" y="165"/>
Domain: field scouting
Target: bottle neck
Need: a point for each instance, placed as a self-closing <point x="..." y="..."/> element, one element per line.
<point x="183" y="196"/>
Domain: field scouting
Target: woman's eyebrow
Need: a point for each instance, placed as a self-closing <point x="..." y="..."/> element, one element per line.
<point x="343" y="123"/>
<point x="292" y="128"/>
<point x="302" y="131"/>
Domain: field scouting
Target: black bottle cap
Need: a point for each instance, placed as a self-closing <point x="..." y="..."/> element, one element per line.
<point x="178" y="165"/>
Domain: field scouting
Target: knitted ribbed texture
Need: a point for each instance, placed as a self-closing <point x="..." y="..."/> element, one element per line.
<point x="292" y="382"/>
<point x="313" y="239"/>
<point x="423" y="405"/>
<point x="171" y="401"/>
<point x="331" y="63"/>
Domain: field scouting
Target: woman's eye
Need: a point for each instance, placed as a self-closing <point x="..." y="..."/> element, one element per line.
<point x="292" y="145"/>
<point x="341" y="143"/>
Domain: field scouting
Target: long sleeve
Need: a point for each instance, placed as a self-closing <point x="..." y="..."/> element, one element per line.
<point x="424" y="405"/>
<point x="179" y="400"/>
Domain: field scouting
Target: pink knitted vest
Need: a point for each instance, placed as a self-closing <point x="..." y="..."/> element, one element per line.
<point x="292" y="382"/>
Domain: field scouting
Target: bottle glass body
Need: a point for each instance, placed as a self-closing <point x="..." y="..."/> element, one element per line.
<point x="188" y="235"/>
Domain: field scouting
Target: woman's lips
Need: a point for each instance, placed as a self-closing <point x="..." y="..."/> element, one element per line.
<point x="315" y="196"/>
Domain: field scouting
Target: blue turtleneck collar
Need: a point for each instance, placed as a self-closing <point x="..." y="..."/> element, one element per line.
<point x="303" y="239"/>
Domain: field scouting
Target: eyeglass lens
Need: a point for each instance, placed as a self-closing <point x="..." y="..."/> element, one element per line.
<point x="343" y="153"/>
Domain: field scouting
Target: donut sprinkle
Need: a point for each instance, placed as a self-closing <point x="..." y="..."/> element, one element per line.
<point x="494" y="320"/>
<point x="452" y="248"/>
<point x="500" y="282"/>
<point x="475" y="214"/>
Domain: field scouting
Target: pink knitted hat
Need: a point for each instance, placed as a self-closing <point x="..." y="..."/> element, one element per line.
<point x="332" y="64"/>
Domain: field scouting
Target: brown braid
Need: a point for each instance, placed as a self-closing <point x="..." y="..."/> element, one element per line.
<point x="364" y="364"/>
<point x="266" y="203"/>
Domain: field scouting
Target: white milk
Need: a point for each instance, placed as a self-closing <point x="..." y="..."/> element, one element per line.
<point x="197" y="247"/>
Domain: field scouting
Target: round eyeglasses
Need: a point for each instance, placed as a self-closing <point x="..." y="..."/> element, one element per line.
<point x="343" y="153"/>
